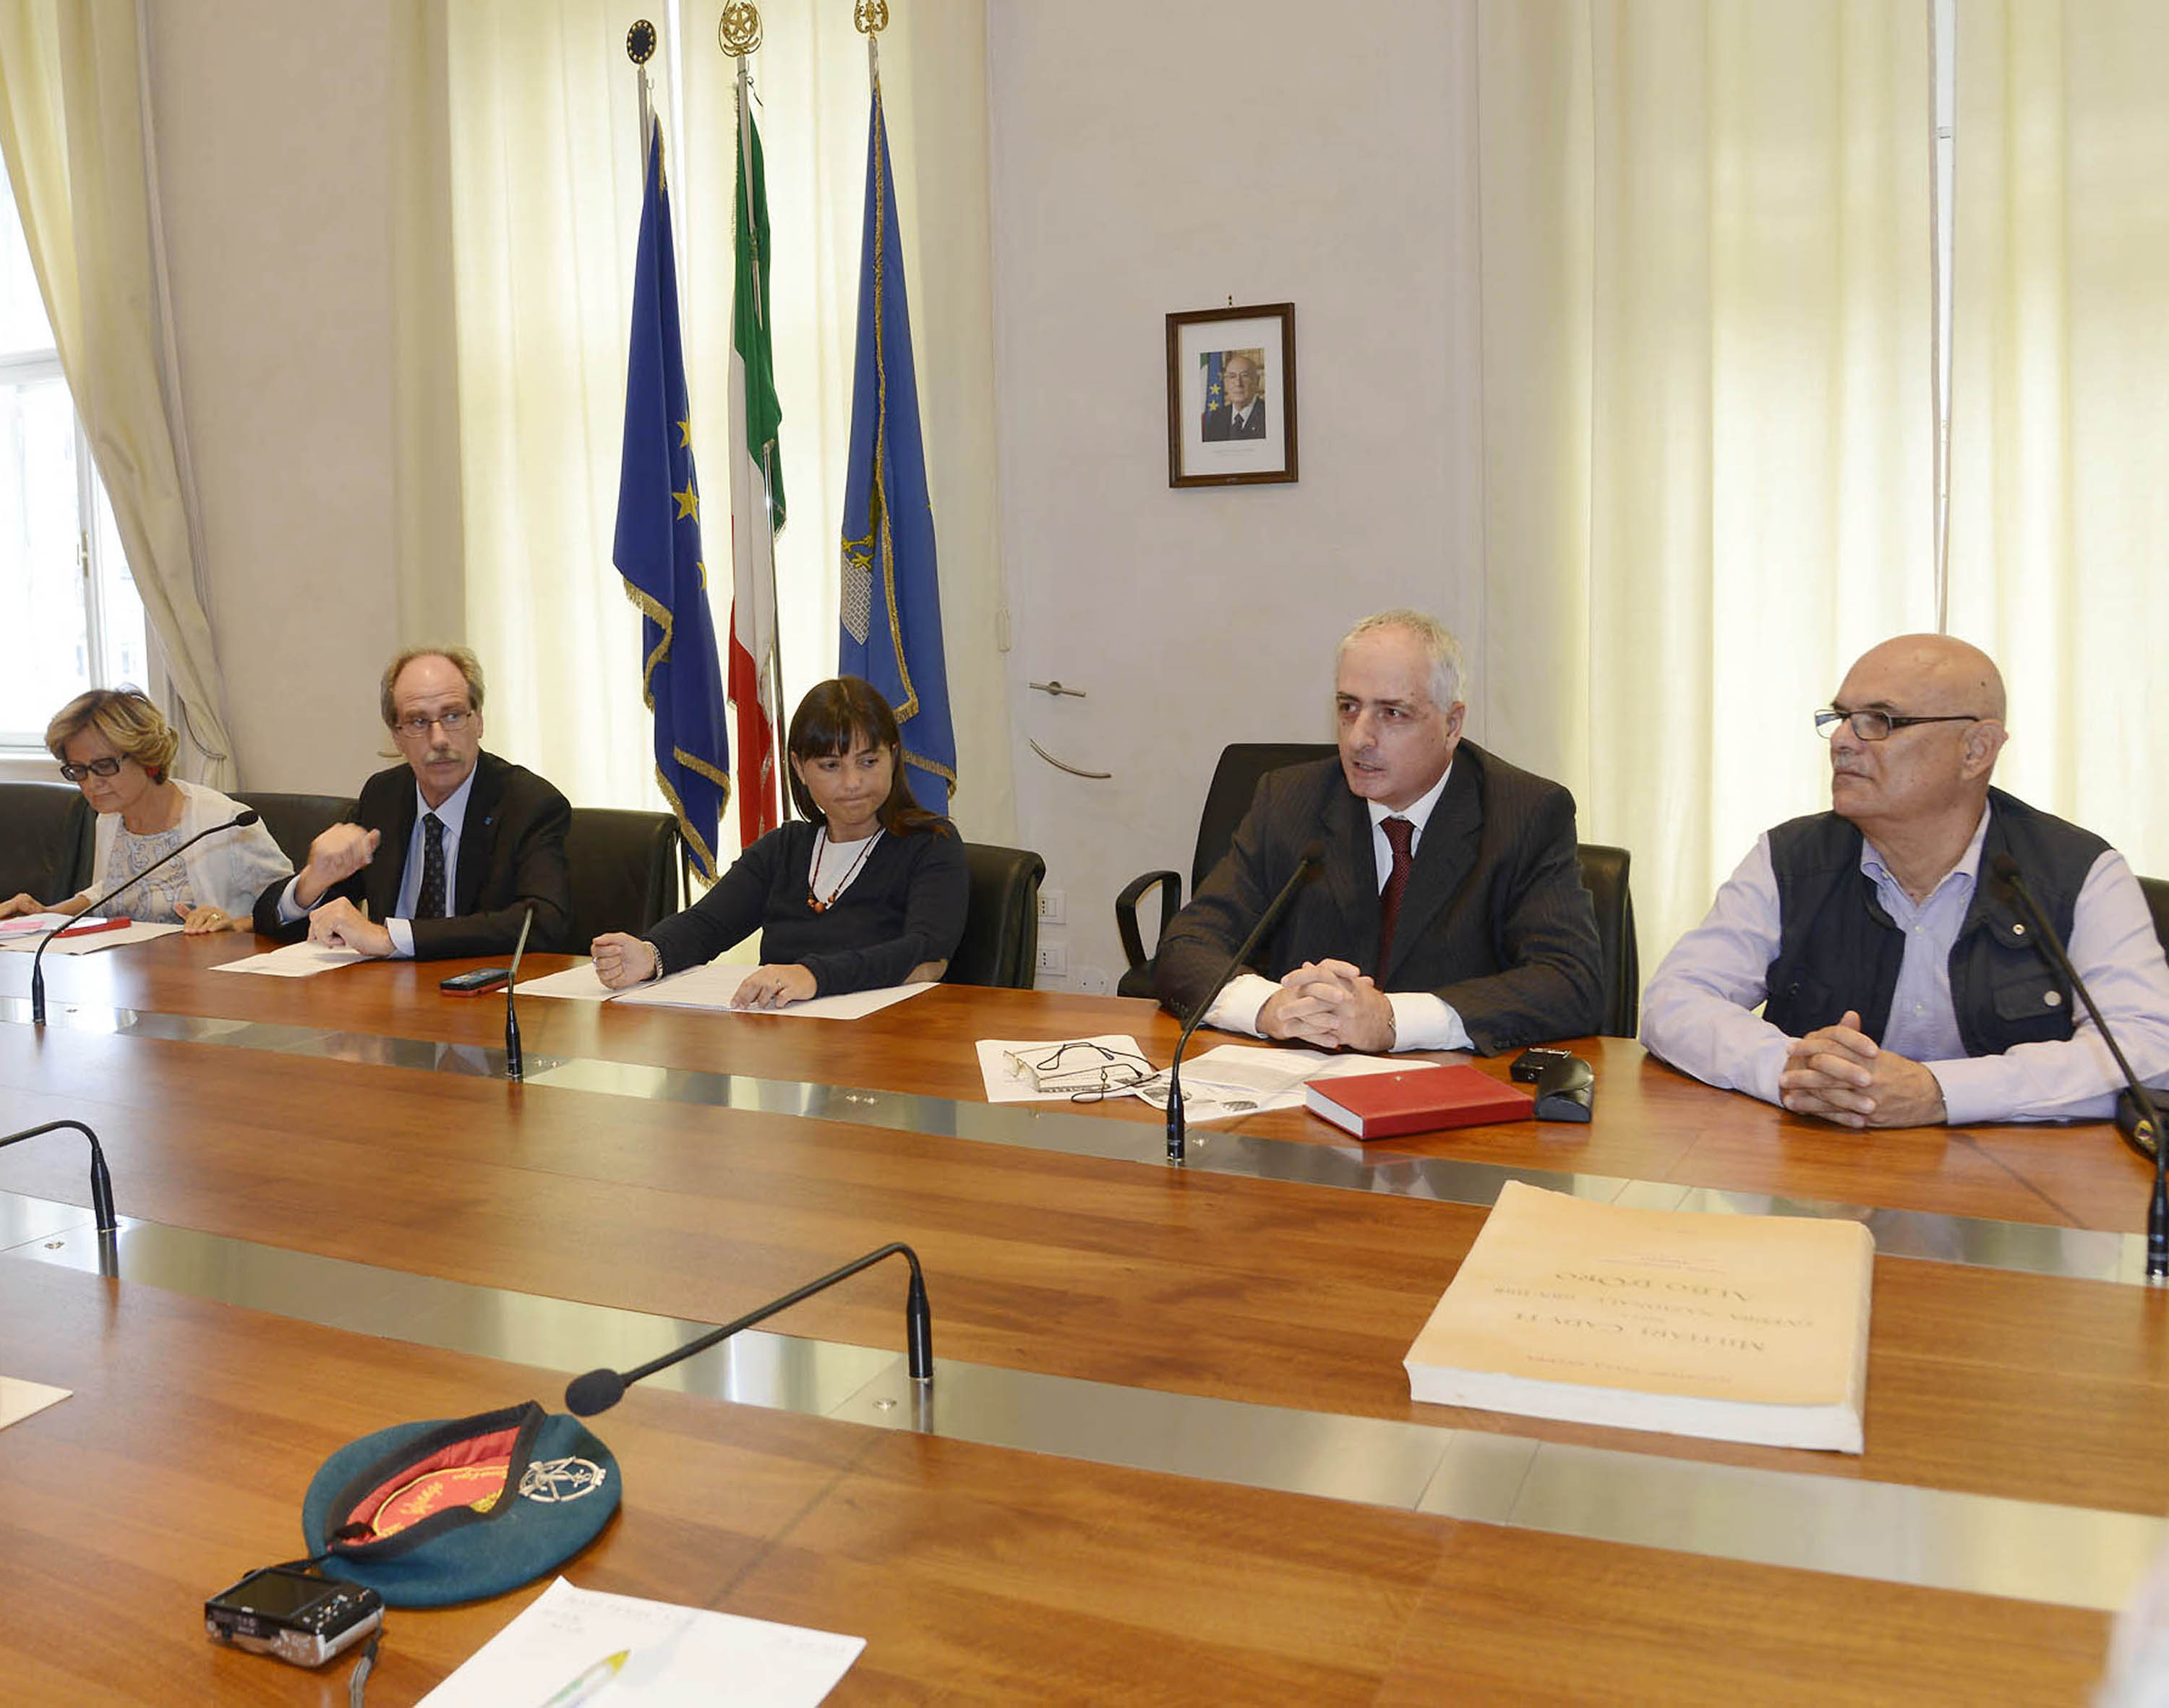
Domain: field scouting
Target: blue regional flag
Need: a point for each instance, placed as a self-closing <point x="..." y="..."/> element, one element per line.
<point x="658" y="549"/>
<point x="891" y="599"/>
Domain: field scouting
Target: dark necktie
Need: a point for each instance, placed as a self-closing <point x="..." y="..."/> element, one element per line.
<point x="430" y="904"/>
<point x="1400" y="834"/>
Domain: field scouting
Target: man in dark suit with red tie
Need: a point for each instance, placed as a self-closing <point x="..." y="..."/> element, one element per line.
<point x="1449" y="914"/>
<point x="449" y="852"/>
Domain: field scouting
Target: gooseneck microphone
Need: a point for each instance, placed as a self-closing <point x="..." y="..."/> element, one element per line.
<point x="1312" y="857"/>
<point x="599" y="1389"/>
<point x="240" y="821"/>
<point x="513" y="1068"/>
<point x="2157" y="1210"/>
<point x="101" y="1182"/>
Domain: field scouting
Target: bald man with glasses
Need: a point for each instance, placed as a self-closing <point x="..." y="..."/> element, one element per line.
<point x="1901" y="985"/>
<point x="449" y="850"/>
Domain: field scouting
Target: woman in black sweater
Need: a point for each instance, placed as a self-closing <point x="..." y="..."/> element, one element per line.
<point x="866" y="890"/>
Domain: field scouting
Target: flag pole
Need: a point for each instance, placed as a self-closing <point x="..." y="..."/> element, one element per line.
<point x="640" y="48"/>
<point x="738" y="34"/>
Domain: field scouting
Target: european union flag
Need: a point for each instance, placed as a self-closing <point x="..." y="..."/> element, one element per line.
<point x="891" y="599"/>
<point x="1214" y="396"/>
<point x="658" y="548"/>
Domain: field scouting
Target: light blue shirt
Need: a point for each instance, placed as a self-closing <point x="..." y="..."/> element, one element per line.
<point x="1699" y="1011"/>
<point x="453" y="814"/>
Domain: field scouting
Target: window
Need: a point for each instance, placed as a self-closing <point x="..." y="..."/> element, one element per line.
<point x="74" y="619"/>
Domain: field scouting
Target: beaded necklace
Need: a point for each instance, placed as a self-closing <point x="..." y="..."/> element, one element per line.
<point x="820" y="844"/>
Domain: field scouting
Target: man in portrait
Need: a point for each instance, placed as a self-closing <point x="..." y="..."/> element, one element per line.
<point x="1241" y="413"/>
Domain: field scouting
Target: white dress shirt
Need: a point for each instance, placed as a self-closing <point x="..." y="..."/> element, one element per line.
<point x="1422" y="1019"/>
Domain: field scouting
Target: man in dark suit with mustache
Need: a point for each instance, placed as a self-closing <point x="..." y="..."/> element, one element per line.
<point x="450" y="851"/>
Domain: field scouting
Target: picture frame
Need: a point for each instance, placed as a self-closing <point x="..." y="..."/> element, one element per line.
<point x="1231" y="396"/>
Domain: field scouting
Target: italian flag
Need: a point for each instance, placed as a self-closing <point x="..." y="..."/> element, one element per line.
<point x="757" y="509"/>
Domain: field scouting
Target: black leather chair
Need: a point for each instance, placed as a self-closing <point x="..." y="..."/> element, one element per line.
<point x="2156" y="891"/>
<point x="46" y="831"/>
<point x="1000" y="945"/>
<point x="1227" y="799"/>
<point x="294" y="821"/>
<point x="625" y="872"/>
<point x="1604" y="875"/>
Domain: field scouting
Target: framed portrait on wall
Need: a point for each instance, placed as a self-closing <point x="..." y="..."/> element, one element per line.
<point x="1231" y="416"/>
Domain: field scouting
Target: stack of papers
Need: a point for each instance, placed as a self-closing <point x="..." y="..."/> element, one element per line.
<point x="1222" y="1084"/>
<point x="709" y="986"/>
<point x="84" y="936"/>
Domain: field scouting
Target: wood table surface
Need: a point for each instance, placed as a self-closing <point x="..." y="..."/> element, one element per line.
<point x="1981" y="1381"/>
<point x="974" y="1574"/>
<point x="1653" y="1123"/>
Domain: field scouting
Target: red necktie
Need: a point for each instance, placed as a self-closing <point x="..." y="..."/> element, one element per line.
<point x="1400" y="833"/>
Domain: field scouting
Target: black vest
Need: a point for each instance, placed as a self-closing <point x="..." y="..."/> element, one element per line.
<point x="1838" y="949"/>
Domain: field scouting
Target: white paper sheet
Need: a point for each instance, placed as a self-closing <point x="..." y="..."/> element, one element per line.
<point x="576" y="984"/>
<point x="19" y="1399"/>
<point x="135" y="932"/>
<point x="299" y="960"/>
<point x="1245" y="1078"/>
<point x="714" y="984"/>
<point x="1006" y="1085"/>
<point x="673" y="1655"/>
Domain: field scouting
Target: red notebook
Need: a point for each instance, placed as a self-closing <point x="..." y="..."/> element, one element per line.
<point x="1416" y="1100"/>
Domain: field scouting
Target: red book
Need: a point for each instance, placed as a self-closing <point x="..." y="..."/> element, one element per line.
<point x="1416" y="1100"/>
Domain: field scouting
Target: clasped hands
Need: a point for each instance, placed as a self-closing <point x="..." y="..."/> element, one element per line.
<point x="1332" y="1004"/>
<point x="335" y="856"/>
<point x="622" y="959"/>
<point x="1842" y="1075"/>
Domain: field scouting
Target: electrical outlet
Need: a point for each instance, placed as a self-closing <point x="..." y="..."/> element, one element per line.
<point x="1050" y="906"/>
<point x="1053" y="960"/>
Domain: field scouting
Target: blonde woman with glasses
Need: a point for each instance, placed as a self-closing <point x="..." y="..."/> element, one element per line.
<point x="115" y="746"/>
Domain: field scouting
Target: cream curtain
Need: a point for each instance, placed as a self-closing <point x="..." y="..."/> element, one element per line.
<point x="2060" y="404"/>
<point x="1707" y="419"/>
<point x="546" y="199"/>
<point x="72" y="126"/>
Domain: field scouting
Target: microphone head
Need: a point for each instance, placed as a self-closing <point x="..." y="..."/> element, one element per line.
<point x="2005" y="868"/>
<point x="596" y="1391"/>
<point x="246" y="817"/>
<point x="1313" y="854"/>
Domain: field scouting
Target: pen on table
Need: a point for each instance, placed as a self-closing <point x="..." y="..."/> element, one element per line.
<point x="589" y="1682"/>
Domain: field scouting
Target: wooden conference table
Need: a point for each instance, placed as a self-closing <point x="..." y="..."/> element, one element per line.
<point x="1214" y="1354"/>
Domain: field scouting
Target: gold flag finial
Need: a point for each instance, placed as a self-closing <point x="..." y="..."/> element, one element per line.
<point x="640" y="42"/>
<point x="870" y="16"/>
<point x="737" y="31"/>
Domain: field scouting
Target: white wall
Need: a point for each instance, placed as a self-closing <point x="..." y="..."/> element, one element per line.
<point x="1150" y="158"/>
<point x="274" y="156"/>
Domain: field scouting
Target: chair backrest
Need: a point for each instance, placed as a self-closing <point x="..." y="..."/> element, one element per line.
<point x="1234" y="781"/>
<point x="294" y="821"/>
<point x="2156" y="891"/>
<point x="1604" y="872"/>
<point x="47" y="833"/>
<point x="625" y="871"/>
<point x="1000" y="945"/>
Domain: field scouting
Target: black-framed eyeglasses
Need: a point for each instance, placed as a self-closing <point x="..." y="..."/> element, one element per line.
<point x="1872" y="725"/>
<point x="1086" y="1070"/>
<point x="418" y="726"/>
<point x="96" y="767"/>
